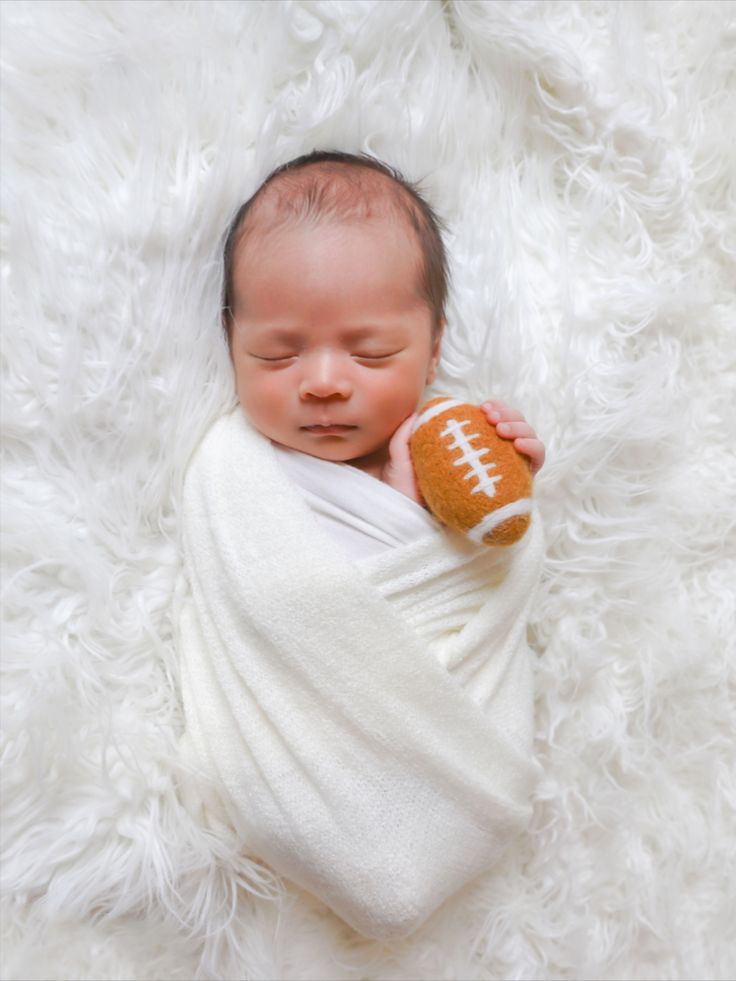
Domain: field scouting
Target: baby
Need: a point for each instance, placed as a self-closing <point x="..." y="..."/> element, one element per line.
<point x="335" y="288"/>
<point x="365" y="721"/>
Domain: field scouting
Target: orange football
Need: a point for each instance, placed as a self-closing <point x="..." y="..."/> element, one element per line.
<point x="472" y="480"/>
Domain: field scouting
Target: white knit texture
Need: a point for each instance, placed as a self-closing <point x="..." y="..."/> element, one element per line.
<point x="379" y="759"/>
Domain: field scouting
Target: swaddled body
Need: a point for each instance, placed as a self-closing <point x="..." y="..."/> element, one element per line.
<point x="365" y="714"/>
<point x="368" y="722"/>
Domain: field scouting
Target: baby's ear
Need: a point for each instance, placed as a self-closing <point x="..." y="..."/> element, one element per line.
<point x="435" y="355"/>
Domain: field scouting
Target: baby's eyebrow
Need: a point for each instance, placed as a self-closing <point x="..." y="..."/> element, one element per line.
<point x="349" y="334"/>
<point x="278" y="334"/>
<point x="358" y="333"/>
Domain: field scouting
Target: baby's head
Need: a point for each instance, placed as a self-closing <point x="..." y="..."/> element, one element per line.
<point x="335" y="287"/>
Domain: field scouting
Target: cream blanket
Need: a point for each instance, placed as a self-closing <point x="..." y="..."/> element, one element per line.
<point x="367" y="724"/>
<point x="362" y="515"/>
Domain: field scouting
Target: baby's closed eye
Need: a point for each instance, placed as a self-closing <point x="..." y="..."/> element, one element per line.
<point x="376" y="357"/>
<point x="356" y="354"/>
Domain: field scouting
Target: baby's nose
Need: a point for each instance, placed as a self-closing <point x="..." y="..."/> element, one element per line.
<point x="325" y="374"/>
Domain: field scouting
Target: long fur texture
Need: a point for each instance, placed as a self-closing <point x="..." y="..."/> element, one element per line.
<point x="582" y="156"/>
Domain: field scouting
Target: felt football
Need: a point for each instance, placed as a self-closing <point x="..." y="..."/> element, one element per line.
<point x="472" y="480"/>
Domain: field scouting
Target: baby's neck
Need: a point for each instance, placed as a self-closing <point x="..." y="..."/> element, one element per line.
<point x="373" y="463"/>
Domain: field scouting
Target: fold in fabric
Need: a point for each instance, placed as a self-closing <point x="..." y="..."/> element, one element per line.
<point x="363" y="515"/>
<point x="367" y="726"/>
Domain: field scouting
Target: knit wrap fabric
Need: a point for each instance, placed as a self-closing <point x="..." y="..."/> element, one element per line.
<point x="367" y="726"/>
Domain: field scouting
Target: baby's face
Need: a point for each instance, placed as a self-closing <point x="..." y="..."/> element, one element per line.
<point x="330" y="331"/>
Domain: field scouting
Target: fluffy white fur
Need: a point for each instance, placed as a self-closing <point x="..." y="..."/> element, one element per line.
<point x="582" y="156"/>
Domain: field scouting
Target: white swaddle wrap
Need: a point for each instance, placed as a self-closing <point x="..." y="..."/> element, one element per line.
<point x="363" y="515"/>
<point x="367" y="723"/>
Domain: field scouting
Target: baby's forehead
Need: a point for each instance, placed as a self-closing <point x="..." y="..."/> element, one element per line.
<point x="329" y="192"/>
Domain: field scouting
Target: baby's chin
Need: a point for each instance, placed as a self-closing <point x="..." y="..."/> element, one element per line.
<point x="372" y="460"/>
<point x="339" y="448"/>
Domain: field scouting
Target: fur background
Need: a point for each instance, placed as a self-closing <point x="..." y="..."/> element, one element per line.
<point x="582" y="156"/>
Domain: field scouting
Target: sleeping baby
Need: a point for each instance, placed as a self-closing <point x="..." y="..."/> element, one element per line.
<point x="356" y="683"/>
<point x="335" y="287"/>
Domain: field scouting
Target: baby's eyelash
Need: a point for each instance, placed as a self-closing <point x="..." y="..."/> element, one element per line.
<point x="372" y="357"/>
<point x="362" y="357"/>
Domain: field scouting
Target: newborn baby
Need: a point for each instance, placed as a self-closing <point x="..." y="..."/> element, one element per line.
<point x="365" y="721"/>
<point x="336" y="282"/>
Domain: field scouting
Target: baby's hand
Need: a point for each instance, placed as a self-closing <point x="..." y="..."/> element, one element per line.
<point x="398" y="472"/>
<point x="511" y="424"/>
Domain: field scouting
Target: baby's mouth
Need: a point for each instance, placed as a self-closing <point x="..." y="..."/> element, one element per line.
<point x="328" y="430"/>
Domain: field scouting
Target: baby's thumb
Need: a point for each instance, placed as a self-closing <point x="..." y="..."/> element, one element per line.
<point x="398" y="447"/>
<point x="399" y="472"/>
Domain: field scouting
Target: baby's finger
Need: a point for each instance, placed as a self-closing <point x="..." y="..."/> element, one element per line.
<point x="495" y="405"/>
<point x="399" y="470"/>
<point x="497" y="411"/>
<point x="514" y="430"/>
<point x="398" y="446"/>
<point x="534" y="450"/>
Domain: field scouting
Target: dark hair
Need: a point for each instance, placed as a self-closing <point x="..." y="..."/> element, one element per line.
<point x="314" y="198"/>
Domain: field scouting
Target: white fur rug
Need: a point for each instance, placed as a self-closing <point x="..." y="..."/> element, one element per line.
<point x="582" y="154"/>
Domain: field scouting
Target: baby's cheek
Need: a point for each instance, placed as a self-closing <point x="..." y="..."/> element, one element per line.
<point x="398" y="392"/>
<point x="261" y="396"/>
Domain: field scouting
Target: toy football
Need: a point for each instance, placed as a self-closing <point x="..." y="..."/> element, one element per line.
<point x="472" y="480"/>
